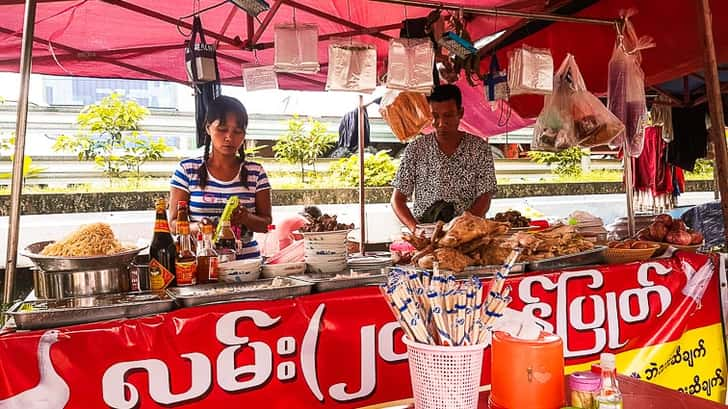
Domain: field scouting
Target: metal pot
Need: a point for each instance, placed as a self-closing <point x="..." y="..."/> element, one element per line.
<point x="64" y="284"/>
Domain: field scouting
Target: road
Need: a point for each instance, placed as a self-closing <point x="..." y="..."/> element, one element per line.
<point x="381" y="223"/>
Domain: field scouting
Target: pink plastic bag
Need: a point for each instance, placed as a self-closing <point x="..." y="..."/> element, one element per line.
<point x="626" y="90"/>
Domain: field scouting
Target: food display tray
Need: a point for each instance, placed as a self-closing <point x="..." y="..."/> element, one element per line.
<point x="327" y="282"/>
<point x="490" y="270"/>
<point x="224" y="292"/>
<point x="40" y="314"/>
<point x="592" y="256"/>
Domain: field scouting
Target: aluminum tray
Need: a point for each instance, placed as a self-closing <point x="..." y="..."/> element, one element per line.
<point x="71" y="311"/>
<point x="327" y="282"/>
<point x="490" y="270"/>
<point x="593" y="256"/>
<point x="223" y="292"/>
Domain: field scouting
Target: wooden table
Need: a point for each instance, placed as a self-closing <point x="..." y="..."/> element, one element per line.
<point x="637" y="394"/>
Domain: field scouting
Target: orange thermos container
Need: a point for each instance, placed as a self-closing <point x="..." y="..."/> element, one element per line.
<point x="527" y="373"/>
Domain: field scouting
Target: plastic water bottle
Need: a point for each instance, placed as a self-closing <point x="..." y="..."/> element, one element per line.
<point x="610" y="396"/>
<point x="270" y="242"/>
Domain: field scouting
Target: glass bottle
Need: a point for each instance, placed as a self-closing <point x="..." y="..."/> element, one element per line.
<point x="270" y="243"/>
<point x="185" y="265"/>
<point x="609" y="395"/>
<point x="162" y="251"/>
<point x="207" y="258"/>
<point x="226" y="243"/>
<point x="183" y="215"/>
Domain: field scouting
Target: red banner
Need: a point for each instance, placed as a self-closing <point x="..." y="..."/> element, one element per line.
<point x="343" y="349"/>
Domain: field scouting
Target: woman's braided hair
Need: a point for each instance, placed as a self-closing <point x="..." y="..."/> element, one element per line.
<point x="218" y="110"/>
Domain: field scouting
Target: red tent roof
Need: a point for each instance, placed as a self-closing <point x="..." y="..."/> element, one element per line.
<point x="144" y="39"/>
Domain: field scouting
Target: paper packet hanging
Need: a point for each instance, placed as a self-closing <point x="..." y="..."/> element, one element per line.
<point x="352" y="67"/>
<point x="200" y="57"/>
<point x="530" y="71"/>
<point x="406" y="113"/>
<point x="296" y="48"/>
<point x="260" y="78"/>
<point x="410" y="63"/>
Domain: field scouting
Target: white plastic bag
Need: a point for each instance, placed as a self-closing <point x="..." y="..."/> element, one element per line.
<point x="626" y="88"/>
<point x="410" y="64"/>
<point x="352" y="67"/>
<point x="530" y="71"/>
<point x="554" y="128"/>
<point x="296" y="48"/>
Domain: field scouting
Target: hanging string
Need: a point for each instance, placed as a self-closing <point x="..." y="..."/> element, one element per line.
<point x="348" y="7"/>
<point x="505" y="110"/>
<point x="294" y="17"/>
<point x="406" y="25"/>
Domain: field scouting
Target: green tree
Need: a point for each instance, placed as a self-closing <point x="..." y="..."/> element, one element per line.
<point x="568" y="161"/>
<point x="303" y="143"/>
<point x="379" y="169"/>
<point x="110" y="135"/>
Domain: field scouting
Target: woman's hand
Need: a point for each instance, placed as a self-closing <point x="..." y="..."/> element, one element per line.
<point x="240" y="216"/>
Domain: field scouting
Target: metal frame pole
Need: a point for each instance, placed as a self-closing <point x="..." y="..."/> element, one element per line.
<point x="26" y="60"/>
<point x="501" y="12"/>
<point x="715" y="104"/>
<point x="629" y="189"/>
<point x="362" y="198"/>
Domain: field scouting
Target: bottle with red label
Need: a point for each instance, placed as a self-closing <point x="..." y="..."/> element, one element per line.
<point x="185" y="265"/>
<point x="207" y="258"/>
<point x="162" y="251"/>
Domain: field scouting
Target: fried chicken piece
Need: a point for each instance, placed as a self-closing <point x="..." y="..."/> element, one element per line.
<point x="473" y="245"/>
<point x="426" y="262"/>
<point x="467" y="227"/>
<point x="495" y="254"/>
<point x="418" y="242"/>
<point x="451" y="259"/>
<point x="438" y="232"/>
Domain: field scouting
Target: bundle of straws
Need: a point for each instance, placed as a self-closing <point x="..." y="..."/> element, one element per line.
<point x="436" y="309"/>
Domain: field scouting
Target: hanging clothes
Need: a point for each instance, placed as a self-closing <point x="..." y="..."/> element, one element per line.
<point x="661" y="115"/>
<point x="652" y="175"/>
<point x="690" y="137"/>
<point x="349" y="131"/>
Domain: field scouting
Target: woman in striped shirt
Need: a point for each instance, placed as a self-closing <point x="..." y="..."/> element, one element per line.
<point x="207" y="182"/>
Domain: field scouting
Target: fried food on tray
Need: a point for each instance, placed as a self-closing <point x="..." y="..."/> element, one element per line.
<point x="96" y="239"/>
<point x="467" y="227"/>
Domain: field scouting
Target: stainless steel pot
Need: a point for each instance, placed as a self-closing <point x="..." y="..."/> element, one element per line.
<point x="64" y="284"/>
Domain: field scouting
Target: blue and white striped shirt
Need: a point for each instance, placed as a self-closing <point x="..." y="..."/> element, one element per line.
<point x="211" y="201"/>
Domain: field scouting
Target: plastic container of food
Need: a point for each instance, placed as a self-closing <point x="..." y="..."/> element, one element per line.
<point x="584" y="388"/>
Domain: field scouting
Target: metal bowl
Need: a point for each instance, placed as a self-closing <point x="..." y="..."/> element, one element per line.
<point x="60" y="263"/>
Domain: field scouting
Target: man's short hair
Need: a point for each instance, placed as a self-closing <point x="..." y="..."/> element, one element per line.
<point x="447" y="92"/>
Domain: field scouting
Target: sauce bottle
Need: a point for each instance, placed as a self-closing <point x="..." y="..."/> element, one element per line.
<point x="207" y="258"/>
<point x="162" y="251"/>
<point x="610" y="397"/>
<point x="186" y="261"/>
<point x="226" y="243"/>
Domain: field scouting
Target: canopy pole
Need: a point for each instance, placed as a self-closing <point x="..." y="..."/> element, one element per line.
<point x="715" y="104"/>
<point x="501" y="12"/>
<point x="19" y="154"/>
<point x="362" y="199"/>
<point x="629" y="189"/>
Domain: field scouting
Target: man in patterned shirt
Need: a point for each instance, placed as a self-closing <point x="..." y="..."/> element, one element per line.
<point x="448" y="169"/>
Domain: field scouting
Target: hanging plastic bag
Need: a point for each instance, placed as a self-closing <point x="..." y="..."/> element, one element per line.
<point x="296" y="48"/>
<point x="260" y="78"/>
<point x="626" y="88"/>
<point x="352" y="67"/>
<point x="495" y="83"/>
<point x="410" y="64"/>
<point x="594" y="124"/>
<point x="200" y="57"/>
<point x="406" y="113"/>
<point x="530" y="71"/>
<point x="554" y="128"/>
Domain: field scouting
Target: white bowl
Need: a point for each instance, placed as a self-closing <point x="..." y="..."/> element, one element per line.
<point x="282" y="269"/>
<point x="326" y="236"/>
<point x="325" y="253"/>
<point x="316" y="245"/>
<point x="326" y="267"/>
<point x="325" y="258"/>
<point x="240" y="270"/>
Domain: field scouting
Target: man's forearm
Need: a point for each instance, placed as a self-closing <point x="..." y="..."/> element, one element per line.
<point x="404" y="214"/>
<point x="481" y="205"/>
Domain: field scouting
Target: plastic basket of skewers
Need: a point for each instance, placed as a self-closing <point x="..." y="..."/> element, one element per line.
<point x="447" y="324"/>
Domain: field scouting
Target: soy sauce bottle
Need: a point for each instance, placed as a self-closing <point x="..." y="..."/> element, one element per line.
<point x="162" y="251"/>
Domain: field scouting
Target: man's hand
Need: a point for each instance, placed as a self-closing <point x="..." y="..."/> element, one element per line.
<point x="404" y="214"/>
